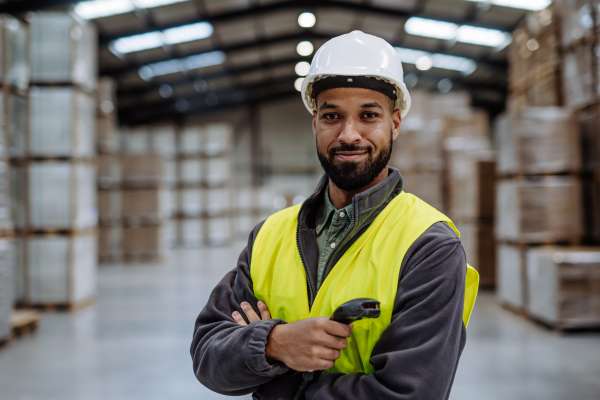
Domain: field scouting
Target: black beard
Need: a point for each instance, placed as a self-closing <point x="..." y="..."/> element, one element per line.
<point x="349" y="175"/>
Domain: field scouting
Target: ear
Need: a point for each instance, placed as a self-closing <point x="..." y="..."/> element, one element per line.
<point x="396" y="122"/>
<point x="314" y="124"/>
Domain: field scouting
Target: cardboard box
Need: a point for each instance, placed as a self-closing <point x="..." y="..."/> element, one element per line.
<point x="452" y="103"/>
<point x="544" y="209"/>
<point x="109" y="207"/>
<point x="577" y="18"/>
<point x="219" y="230"/>
<point x="61" y="195"/>
<point x="480" y="248"/>
<point x="17" y="116"/>
<point x="472" y="123"/>
<point x="163" y="141"/>
<point x="147" y="170"/>
<point x="426" y="185"/>
<point x="135" y="140"/>
<point x="110" y="243"/>
<point x="564" y="286"/>
<point x="107" y="140"/>
<point x="471" y="175"/>
<point x="62" y="122"/>
<point x="63" y="50"/>
<point x="218" y="171"/>
<point x="145" y="206"/>
<point x="539" y="140"/>
<point x="191" y="171"/>
<point x="60" y="269"/>
<point x="191" y="140"/>
<point x="578" y="77"/>
<point x="218" y="139"/>
<point x="190" y="202"/>
<point x="144" y="242"/>
<point x="217" y="201"/>
<point x="107" y="97"/>
<point x="511" y="276"/>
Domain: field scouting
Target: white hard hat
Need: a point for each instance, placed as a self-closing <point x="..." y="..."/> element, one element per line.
<point x="361" y="55"/>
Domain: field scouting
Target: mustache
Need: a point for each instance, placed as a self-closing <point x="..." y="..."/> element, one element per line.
<point x="350" y="147"/>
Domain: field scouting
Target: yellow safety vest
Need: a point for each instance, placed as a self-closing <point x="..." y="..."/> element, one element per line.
<point x="369" y="268"/>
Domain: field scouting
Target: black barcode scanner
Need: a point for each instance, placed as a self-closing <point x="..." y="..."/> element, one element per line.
<point x="347" y="313"/>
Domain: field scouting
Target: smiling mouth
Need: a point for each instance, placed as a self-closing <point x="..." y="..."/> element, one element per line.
<point x="350" y="155"/>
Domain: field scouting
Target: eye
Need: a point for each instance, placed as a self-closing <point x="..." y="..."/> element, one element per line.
<point x="330" y="116"/>
<point x="370" y="114"/>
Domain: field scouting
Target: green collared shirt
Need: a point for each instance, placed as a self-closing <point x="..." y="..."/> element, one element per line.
<point x="332" y="225"/>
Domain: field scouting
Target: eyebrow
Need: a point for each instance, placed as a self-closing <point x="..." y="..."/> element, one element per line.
<point x="372" y="105"/>
<point x="327" y="105"/>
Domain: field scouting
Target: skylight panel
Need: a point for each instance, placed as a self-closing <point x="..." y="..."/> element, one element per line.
<point x="133" y="43"/>
<point x="103" y="8"/>
<point x="483" y="36"/>
<point x="465" y="65"/>
<point x="149" y="71"/>
<point x="430" y="28"/>
<point x="531" y="5"/>
<point x="187" y="33"/>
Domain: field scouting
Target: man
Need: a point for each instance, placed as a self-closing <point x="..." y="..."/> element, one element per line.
<point x="359" y="235"/>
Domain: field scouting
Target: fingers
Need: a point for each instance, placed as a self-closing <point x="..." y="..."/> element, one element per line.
<point x="250" y="314"/>
<point x="338" y="329"/>
<point x="264" y="311"/>
<point x="334" y="342"/>
<point x="237" y="317"/>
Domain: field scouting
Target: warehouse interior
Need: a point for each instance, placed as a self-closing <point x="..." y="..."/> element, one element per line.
<point x="142" y="141"/>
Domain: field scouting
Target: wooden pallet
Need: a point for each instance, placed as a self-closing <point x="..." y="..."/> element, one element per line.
<point x="24" y="321"/>
<point x="62" y="307"/>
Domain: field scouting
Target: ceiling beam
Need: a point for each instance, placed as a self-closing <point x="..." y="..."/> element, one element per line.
<point x="303" y="5"/>
<point x="255" y="44"/>
<point x="16" y="7"/>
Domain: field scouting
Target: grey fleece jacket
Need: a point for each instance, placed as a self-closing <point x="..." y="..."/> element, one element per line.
<point x="415" y="358"/>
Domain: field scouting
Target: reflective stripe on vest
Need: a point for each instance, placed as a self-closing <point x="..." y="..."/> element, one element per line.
<point x="369" y="268"/>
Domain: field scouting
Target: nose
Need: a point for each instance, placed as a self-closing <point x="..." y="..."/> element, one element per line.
<point x="349" y="134"/>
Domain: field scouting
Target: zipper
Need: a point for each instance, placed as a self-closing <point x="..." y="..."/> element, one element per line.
<point x="310" y="288"/>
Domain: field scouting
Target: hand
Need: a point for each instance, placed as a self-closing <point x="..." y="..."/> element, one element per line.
<point x="309" y="344"/>
<point x="250" y="314"/>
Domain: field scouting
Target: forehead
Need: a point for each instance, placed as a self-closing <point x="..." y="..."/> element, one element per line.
<point x="352" y="97"/>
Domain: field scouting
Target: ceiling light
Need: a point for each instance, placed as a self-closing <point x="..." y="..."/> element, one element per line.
<point x="165" y="91"/>
<point x="424" y="63"/>
<point x="104" y="8"/>
<point x="298" y="84"/>
<point x="307" y="20"/>
<point x="149" y="71"/>
<point x="150" y="40"/>
<point x="187" y="33"/>
<point x="444" y="61"/>
<point x="532" y="5"/>
<point x="133" y="43"/>
<point x="305" y="48"/>
<point x="482" y="36"/>
<point x="444" y="85"/>
<point x="430" y="28"/>
<point x="302" y="68"/>
<point x="533" y="44"/>
<point x="411" y="80"/>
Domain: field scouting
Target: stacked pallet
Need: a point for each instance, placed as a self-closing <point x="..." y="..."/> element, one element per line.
<point x="204" y="192"/>
<point x="110" y="231"/>
<point x="251" y="205"/>
<point x="445" y="157"/>
<point x="14" y="81"/>
<point x="54" y="166"/>
<point x="145" y="193"/>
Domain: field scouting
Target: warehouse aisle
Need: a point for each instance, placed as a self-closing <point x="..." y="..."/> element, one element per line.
<point x="134" y="344"/>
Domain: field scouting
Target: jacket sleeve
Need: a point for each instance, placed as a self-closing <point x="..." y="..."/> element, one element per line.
<point x="229" y="358"/>
<point x="417" y="355"/>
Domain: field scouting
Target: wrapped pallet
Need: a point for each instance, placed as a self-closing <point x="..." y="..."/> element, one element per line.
<point x="171" y="233"/>
<point x="190" y="202"/>
<point x="109" y="207"/>
<point x="539" y="140"/>
<point x="511" y="276"/>
<point x="144" y="244"/>
<point x="62" y="123"/>
<point x="17" y="115"/>
<point x="6" y="286"/>
<point x="109" y="171"/>
<point x="218" y="230"/>
<point x="217" y="140"/>
<point x="564" y="286"/>
<point x="63" y="50"/>
<point x="471" y="123"/>
<point x="109" y="243"/>
<point x="577" y="18"/>
<point x="191" y="232"/>
<point x="452" y="103"/>
<point x="60" y="270"/>
<point x="592" y="209"/>
<point x="578" y="77"/>
<point x="419" y="145"/>
<point x="14" y="66"/>
<point x="545" y="209"/>
<point x="143" y="170"/>
<point x="426" y="185"/>
<point x="163" y="140"/>
<point x="479" y="244"/>
<point x="589" y="124"/>
<point x="61" y="195"/>
<point x="191" y="171"/>
<point x="217" y="201"/>
<point x="6" y="222"/>
<point x="135" y="140"/>
<point x="107" y="139"/>
<point x="145" y="206"/>
<point x="218" y="171"/>
<point x="191" y="140"/>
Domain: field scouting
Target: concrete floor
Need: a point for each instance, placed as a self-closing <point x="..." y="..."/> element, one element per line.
<point x="134" y="344"/>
